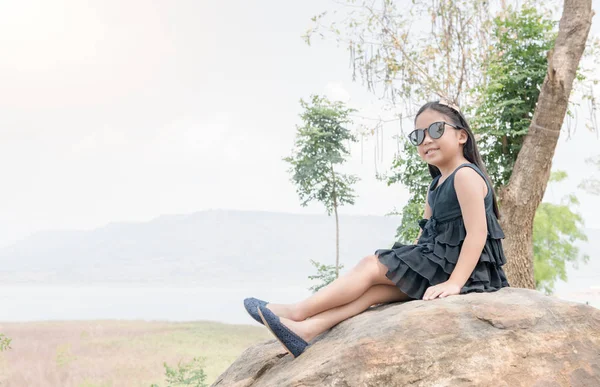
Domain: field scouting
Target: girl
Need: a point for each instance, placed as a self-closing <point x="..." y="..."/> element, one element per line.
<point x="459" y="248"/>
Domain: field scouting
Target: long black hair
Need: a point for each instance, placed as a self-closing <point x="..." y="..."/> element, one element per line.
<point x="470" y="150"/>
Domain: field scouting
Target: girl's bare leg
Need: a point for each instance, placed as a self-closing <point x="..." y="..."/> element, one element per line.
<point x="347" y="288"/>
<point x="317" y="324"/>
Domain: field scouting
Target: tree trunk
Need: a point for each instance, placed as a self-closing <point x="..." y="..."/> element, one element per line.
<point x="337" y="243"/>
<point x="519" y="200"/>
<point x="337" y="226"/>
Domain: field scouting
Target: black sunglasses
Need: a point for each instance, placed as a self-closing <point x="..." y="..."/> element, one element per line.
<point x="435" y="130"/>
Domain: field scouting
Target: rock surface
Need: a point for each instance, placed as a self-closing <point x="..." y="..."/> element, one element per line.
<point x="512" y="337"/>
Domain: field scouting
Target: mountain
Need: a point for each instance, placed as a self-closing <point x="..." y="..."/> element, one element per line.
<point x="204" y="248"/>
<point x="224" y="247"/>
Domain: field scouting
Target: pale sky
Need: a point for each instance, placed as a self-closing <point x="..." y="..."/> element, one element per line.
<point x="127" y="110"/>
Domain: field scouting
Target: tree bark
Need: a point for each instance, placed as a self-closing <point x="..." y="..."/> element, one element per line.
<point x="337" y="243"/>
<point x="337" y="227"/>
<point x="520" y="199"/>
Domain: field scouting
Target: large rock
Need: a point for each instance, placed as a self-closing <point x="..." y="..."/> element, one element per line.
<point x="512" y="337"/>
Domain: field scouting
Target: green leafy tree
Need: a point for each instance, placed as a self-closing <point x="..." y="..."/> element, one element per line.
<point x="515" y="71"/>
<point x="186" y="374"/>
<point x="320" y="151"/>
<point x="556" y="228"/>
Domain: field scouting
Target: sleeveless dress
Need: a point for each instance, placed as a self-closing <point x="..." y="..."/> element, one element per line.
<point x="414" y="268"/>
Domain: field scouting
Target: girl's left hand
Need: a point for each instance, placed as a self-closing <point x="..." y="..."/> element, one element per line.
<point x="442" y="290"/>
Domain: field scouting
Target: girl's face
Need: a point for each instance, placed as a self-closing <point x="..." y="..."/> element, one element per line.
<point x="443" y="150"/>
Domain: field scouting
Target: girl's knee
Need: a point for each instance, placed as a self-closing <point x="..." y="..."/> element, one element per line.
<point x="370" y="261"/>
<point x="377" y="271"/>
<point x="371" y="265"/>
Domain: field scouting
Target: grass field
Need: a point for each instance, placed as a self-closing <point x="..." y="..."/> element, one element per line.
<point x="117" y="353"/>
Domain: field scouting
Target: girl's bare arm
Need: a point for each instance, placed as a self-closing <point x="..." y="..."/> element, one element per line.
<point x="470" y="191"/>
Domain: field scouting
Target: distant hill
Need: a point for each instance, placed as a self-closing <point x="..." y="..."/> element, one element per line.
<point x="203" y="248"/>
<point x="209" y="248"/>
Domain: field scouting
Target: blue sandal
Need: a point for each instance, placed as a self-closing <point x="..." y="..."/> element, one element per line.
<point x="293" y="343"/>
<point x="251" y="304"/>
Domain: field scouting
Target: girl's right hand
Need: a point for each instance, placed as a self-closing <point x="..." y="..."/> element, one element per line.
<point x="445" y="289"/>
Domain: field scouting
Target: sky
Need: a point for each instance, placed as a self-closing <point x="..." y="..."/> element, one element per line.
<point x="122" y="111"/>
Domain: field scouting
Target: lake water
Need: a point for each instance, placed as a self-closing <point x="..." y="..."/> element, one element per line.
<point x="214" y="303"/>
<point x="35" y="303"/>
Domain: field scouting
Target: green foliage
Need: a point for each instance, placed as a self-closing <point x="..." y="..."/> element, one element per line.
<point x="516" y="71"/>
<point x="411" y="172"/>
<point x="4" y="342"/>
<point x="409" y="228"/>
<point x="555" y="230"/>
<point x="186" y="374"/>
<point x="320" y="149"/>
<point x="326" y="275"/>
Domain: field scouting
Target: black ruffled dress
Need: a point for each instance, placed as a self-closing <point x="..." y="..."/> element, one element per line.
<point x="414" y="268"/>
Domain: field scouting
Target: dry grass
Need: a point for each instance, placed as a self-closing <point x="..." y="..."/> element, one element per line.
<point x="117" y="353"/>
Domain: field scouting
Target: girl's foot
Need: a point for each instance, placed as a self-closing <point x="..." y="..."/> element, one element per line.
<point x="284" y="310"/>
<point x="301" y="328"/>
<point x="291" y="335"/>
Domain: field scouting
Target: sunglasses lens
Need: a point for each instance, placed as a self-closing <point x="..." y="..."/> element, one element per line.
<point x="414" y="137"/>
<point x="436" y="130"/>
